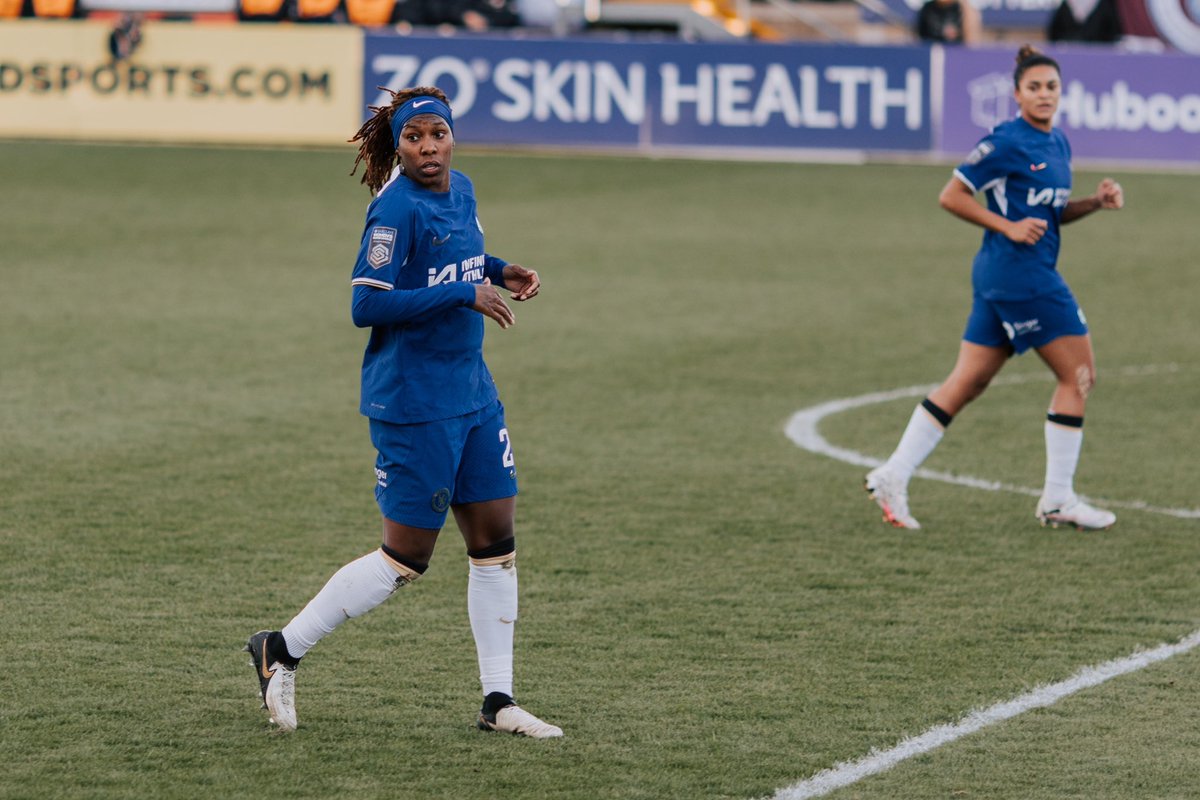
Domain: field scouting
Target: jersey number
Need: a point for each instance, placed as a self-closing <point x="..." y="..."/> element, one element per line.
<point x="507" y="459"/>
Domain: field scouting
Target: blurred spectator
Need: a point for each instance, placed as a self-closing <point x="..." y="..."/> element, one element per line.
<point x="474" y="15"/>
<point x="559" y="16"/>
<point x="1085" y="21"/>
<point x="125" y="37"/>
<point x="948" y="21"/>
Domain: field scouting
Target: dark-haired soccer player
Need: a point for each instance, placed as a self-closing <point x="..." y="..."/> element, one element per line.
<point x="1020" y="299"/>
<point x="423" y="284"/>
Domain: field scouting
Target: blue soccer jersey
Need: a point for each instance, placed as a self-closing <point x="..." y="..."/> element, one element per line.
<point x="1025" y="172"/>
<point x="420" y="256"/>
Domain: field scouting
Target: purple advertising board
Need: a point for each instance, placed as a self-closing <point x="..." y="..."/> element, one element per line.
<point x="665" y="95"/>
<point x="1115" y="107"/>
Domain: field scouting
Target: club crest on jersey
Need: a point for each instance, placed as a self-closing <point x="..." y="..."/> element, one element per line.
<point x="981" y="151"/>
<point x="381" y="246"/>
<point x="440" y="500"/>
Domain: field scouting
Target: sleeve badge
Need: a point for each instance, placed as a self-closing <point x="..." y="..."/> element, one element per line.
<point x="381" y="247"/>
<point x="981" y="151"/>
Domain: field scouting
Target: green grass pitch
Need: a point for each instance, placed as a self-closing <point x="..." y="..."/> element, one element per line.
<point x="707" y="610"/>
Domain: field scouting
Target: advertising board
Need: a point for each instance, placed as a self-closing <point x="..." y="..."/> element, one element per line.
<point x="1115" y="107"/>
<point x="185" y="82"/>
<point x="647" y="96"/>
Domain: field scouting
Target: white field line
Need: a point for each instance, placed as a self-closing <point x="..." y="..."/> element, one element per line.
<point x="802" y="429"/>
<point x="878" y="761"/>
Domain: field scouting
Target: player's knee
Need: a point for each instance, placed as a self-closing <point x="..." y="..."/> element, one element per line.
<point x="969" y="388"/>
<point x="407" y="569"/>
<point x="1085" y="380"/>
<point x="499" y="554"/>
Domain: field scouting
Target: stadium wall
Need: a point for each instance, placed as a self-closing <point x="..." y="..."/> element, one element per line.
<point x="310" y="85"/>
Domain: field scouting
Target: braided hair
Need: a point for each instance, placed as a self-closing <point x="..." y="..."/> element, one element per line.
<point x="376" y="146"/>
<point x="1029" y="56"/>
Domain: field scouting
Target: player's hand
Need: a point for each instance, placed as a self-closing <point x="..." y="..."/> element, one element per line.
<point x="489" y="303"/>
<point x="1110" y="194"/>
<point x="1027" y="231"/>
<point x="523" y="283"/>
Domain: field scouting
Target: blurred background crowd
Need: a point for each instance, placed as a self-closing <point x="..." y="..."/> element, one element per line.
<point x="856" y="21"/>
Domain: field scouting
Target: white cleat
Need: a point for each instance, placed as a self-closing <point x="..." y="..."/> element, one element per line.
<point x="891" y="495"/>
<point x="281" y="697"/>
<point x="1076" y="514"/>
<point x="516" y="720"/>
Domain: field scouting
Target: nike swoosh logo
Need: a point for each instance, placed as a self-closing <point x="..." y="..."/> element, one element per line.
<point x="506" y="620"/>
<point x="422" y="103"/>
<point x="266" y="672"/>
<point x="439" y="242"/>
<point x="1036" y="167"/>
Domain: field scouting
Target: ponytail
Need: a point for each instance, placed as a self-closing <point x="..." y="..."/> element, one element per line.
<point x="1029" y="56"/>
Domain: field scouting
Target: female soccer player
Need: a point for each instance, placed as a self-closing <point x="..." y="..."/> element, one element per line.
<point x="423" y="284"/>
<point x="1020" y="299"/>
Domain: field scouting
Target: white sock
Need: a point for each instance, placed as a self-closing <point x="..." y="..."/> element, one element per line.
<point x="352" y="591"/>
<point x="920" y="438"/>
<point x="492" y="607"/>
<point x="1063" y="444"/>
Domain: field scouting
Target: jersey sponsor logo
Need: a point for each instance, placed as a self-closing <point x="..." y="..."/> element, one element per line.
<point x="1048" y="197"/>
<point x="381" y="478"/>
<point x="981" y="151"/>
<point x="381" y="246"/>
<point x="447" y="274"/>
<point x="469" y="271"/>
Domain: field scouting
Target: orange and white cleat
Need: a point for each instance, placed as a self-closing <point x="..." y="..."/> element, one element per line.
<point x="891" y="495"/>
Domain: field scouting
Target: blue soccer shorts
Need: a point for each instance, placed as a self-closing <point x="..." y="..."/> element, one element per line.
<point x="1024" y="324"/>
<point x="424" y="468"/>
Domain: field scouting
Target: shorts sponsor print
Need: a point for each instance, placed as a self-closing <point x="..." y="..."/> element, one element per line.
<point x="423" y="469"/>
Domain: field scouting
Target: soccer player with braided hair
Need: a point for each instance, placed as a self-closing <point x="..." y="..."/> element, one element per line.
<point x="1021" y="301"/>
<point x="423" y="284"/>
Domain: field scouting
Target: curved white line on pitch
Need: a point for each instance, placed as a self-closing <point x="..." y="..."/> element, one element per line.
<point x="877" y="761"/>
<point x="802" y="429"/>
